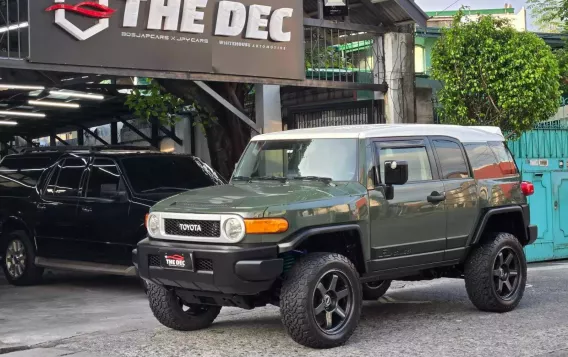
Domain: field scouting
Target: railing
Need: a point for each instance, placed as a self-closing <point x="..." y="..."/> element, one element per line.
<point x="14" y="39"/>
<point x="343" y="55"/>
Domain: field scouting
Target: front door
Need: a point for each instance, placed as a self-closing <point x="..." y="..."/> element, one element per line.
<point x="409" y="229"/>
<point x="57" y="228"/>
<point x="103" y="212"/>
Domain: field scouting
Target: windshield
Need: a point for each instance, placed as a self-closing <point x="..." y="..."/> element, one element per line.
<point x="157" y="174"/>
<point x="334" y="159"/>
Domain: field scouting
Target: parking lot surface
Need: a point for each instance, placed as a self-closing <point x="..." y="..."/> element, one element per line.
<point x="92" y="316"/>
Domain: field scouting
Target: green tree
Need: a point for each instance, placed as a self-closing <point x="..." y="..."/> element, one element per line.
<point x="562" y="57"/>
<point x="549" y="15"/>
<point x="154" y="102"/>
<point x="495" y="75"/>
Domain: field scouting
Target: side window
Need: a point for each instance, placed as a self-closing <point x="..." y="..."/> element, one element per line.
<point x="506" y="161"/>
<point x="483" y="161"/>
<point x="418" y="163"/>
<point x="52" y="184"/>
<point x="70" y="177"/>
<point x="104" y="181"/>
<point x="22" y="171"/>
<point x="451" y="159"/>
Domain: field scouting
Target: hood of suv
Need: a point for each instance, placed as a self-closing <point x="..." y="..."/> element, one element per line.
<point x="253" y="197"/>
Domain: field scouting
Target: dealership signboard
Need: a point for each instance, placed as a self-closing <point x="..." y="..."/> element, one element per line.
<point x="261" y="38"/>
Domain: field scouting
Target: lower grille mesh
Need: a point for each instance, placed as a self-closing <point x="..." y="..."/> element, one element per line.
<point x="200" y="264"/>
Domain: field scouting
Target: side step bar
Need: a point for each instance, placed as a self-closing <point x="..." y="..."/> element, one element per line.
<point x="86" y="266"/>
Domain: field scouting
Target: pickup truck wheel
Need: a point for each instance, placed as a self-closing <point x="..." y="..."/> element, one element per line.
<point x="172" y="312"/>
<point x="496" y="273"/>
<point x="375" y="289"/>
<point x="320" y="302"/>
<point x="19" y="259"/>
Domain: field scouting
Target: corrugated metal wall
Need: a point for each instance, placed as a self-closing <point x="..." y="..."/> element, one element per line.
<point x="542" y="155"/>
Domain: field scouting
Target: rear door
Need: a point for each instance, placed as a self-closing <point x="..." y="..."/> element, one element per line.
<point x="461" y="194"/>
<point x="103" y="212"/>
<point x="58" y="231"/>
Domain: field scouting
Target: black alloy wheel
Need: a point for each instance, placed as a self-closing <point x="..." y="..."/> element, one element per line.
<point x="506" y="273"/>
<point x="332" y="301"/>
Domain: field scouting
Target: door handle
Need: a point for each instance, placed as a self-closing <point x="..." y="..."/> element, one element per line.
<point x="436" y="197"/>
<point x="87" y="209"/>
<point x="41" y="207"/>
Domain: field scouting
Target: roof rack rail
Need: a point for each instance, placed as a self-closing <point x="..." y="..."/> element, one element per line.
<point x="88" y="148"/>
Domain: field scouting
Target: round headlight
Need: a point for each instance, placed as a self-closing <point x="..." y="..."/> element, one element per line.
<point x="153" y="225"/>
<point x="234" y="229"/>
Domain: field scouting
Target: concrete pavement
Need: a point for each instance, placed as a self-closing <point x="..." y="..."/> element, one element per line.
<point x="82" y="316"/>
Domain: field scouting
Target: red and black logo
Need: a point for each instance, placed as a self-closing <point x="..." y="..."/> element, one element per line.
<point x="86" y="8"/>
<point x="175" y="257"/>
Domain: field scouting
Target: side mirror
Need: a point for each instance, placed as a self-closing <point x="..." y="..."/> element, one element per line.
<point x="396" y="172"/>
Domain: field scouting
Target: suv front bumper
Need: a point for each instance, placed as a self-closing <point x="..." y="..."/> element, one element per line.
<point x="217" y="268"/>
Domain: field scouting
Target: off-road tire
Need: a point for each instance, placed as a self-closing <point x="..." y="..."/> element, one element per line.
<point x="296" y="299"/>
<point x="372" y="292"/>
<point x="166" y="307"/>
<point x="32" y="274"/>
<point x="479" y="273"/>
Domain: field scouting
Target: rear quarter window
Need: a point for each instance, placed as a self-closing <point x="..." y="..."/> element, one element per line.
<point x="506" y="161"/>
<point x="22" y="172"/>
<point x="490" y="160"/>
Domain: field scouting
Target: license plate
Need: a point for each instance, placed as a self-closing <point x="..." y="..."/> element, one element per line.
<point x="183" y="261"/>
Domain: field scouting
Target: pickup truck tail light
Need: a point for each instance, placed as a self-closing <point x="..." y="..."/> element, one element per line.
<point x="527" y="188"/>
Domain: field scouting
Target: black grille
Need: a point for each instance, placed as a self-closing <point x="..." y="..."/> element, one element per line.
<point x="204" y="264"/>
<point x="207" y="229"/>
<point x="153" y="260"/>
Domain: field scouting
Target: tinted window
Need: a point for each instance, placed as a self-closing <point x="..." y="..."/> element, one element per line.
<point x="70" y="177"/>
<point x="104" y="180"/>
<point x="483" y="161"/>
<point x="418" y="163"/>
<point x="22" y="171"/>
<point x="155" y="174"/>
<point x="451" y="159"/>
<point x="52" y="184"/>
<point x="506" y="161"/>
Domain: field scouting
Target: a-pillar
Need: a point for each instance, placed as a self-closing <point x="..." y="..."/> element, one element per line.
<point x="268" y="108"/>
<point x="268" y="113"/>
<point x="399" y="76"/>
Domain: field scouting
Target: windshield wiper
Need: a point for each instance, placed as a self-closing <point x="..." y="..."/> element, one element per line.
<point x="165" y="188"/>
<point x="270" y="178"/>
<point x="314" y="178"/>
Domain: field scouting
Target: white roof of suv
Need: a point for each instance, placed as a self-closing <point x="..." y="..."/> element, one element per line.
<point x="465" y="134"/>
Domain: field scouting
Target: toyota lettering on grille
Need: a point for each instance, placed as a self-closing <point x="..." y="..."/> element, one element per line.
<point x="189" y="227"/>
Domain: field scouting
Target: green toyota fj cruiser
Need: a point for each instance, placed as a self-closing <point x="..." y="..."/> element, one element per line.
<point x="316" y="220"/>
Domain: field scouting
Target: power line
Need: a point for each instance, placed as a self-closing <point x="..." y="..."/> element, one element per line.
<point x="455" y="2"/>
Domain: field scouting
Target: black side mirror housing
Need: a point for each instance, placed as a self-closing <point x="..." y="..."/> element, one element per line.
<point x="396" y="172"/>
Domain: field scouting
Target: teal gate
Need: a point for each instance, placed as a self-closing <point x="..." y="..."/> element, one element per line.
<point x="542" y="157"/>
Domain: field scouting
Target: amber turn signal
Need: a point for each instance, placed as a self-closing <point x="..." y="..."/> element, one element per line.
<point x="146" y="220"/>
<point x="266" y="225"/>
